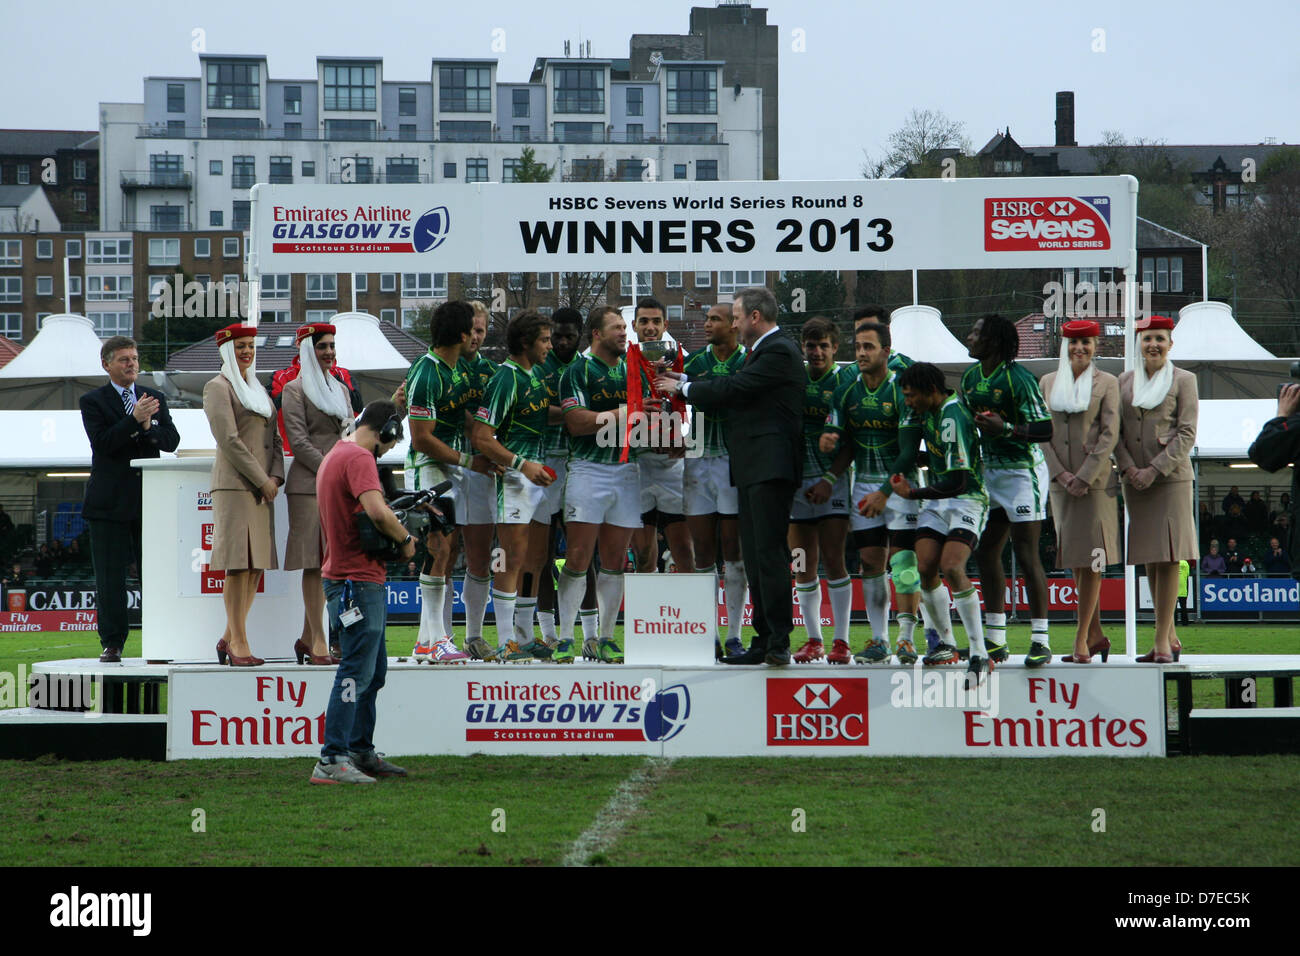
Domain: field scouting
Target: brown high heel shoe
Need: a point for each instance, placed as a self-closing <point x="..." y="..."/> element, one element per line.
<point x="1102" y="647"/>
<point x="1151" y="657"/>
<point x="301" y="651"/>
<point x="224" y="654"/>
<point x="1176" y="648"/>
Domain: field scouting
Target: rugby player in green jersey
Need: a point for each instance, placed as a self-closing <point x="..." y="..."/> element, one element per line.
<point x="819" y="514"/>
<point x="712" y="502"/>
<point x="952" y="516"/>
<point x="602" y="493"/>
<point x="1012" y="418"/>
<point x="436" y="388"/>
<point x="870" y="413"/>
<point x="510" y="428"/>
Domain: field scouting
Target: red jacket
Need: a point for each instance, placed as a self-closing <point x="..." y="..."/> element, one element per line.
<point x="286" y="375"/>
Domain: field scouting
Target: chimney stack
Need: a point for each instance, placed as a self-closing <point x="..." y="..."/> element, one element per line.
<point x="1065" y="119"/>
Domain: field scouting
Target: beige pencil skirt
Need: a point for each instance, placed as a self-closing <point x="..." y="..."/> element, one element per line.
<point x="1085" y="525"/>
<point x="1162" y="525"/>
<point x="243" y="537"/>
<point x="305" y="548"/>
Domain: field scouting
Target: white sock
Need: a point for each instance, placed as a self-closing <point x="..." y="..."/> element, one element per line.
<point x="567" y="599"/>
<point x="476" y="599"/>
<point x="995" y="626"/>
<point x="968" y="609"/>
<point x="448" y="600"/>
<point x="875" y="589"/>
<point x="503" y="605"/>
<point x="433" y="591"/>
<point x="810" y="605"/>
<point x="927" y="622"/>
<point x="734" y="586"/>
<point x="524" y="611"/>
<point x="590" y="623"/>
<point x="936" y="604"/>
<point x="609" y="595"/>
<point x="906" y="626"/>
<point x="841" y="592"/>
<point x="1038" y="631"/>
<point x="546" y="621"/>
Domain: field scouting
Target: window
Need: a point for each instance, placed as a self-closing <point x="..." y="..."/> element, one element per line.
<point x="464" y="89"/>
<point x="308" y="168"/>
<point x="362" y="169"/>
<point x="360" y="282"/>
<point x="78" y="169"/>
<point x="1015" y="166"/>
<point x="322" y="286"/>
<point x="388" y="282"/>
<point x="703" y="280"/>
<point x="476" y="170"/>
<point x="579" y="132"/>
<point x="109" y="251"/>
<point x="234" y="86"/>
<point x="586" y="170"/>
<point x="1091" y="276"/>
<point x="630" y="170"/>
<point x="232" y="127"/>
<point x="175" y="97"/>
<point x="293" y="100"/>
<point x="231" y="282"/>
<point x="176" y="128"/>
<point x="515" y="281"/>
<point x="281" y="169"/>
<point x="510" y="170"/>
<point x="202" y="279"/>
<point x="45" y="285"/>
<point x="293" y="131"/>
<point x="674" y="313"/>
<point x="11" y="252"/>
<point x="692" y="132"/>
<point x="158" y="285"/>
<point x="476" y="285"/>
<point x="164" y="252"/>
<point x="679" y="170"/>
<point x="406" y="101"/>
<point x="519" y="103"/>
<point x="388" y="315"/>
<point x="24" y="175"/>
<point x="349" y="129"/>
<point x="642" y="287"/>
<point x="243" y="172"/>
<point x="465" y="131"/>
<point x="545" y="310"/>
<point x="165" y="218"/>
<point x="448" y="170"/>
<point x="635" y="102"/>
<point x="522" y="134"/>
<point x="278" y="315"/>
<point x="406" y="132"/>
<point x="215" y="217"/>
<point x="74" y="285"/>
<point x="215" y="167"/>
<point x="108" y="288"/>
<point x="275" y="285"/>
<point x="579" y="90"/>
<point x="424" y="285"/>
<point x="692" y="91"/>
<point x="706" y="169"/>
<point x="635" y="132"/>
<point x="11" y="326"/>
<point x="545" y="281"/>
<point x="239" y="214"/>
<point x="349" y="87"/>
<point x="202" y="248"/>
<point x="11" y="288"/>
<point x="402" y="169"/>
<point x="1162" y="274"/>
<point x="72" y="249"/>
<point x="230" y="247"/>
<point x="735" y="281"/>
<point x="44" y="248"/>
<point x="109" y="324"/>
<point x="1176" y="274"/>
<point x="410" y="317"/>
<point x="673" y="280"/>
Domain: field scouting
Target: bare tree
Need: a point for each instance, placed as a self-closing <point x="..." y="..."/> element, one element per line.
<point x="584" y="290"/>
<point x="912" y="144"/>
<point x="1272" y="236"/>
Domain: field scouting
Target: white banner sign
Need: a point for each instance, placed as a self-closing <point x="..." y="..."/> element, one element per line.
<point x="1079" y="221"/>
<point x="669" y="619"/>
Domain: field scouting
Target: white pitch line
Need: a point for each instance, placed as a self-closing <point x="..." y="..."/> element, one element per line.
<point x="611" y="819"/>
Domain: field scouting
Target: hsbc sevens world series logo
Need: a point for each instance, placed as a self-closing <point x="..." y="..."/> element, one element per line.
<point x="1016" y="224"/>
<point x="431" y="229"/>
<point x="817" y="713"/>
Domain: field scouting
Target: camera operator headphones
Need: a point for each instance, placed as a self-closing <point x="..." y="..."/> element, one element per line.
<point x="390" y="431"/>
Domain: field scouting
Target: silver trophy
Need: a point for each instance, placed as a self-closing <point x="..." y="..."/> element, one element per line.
<point x="654" y="351"/>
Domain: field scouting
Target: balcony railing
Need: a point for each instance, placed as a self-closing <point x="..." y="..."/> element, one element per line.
<point x="155" y="225"/>
<point x="428" y="136"/>
<point x="381" y="178"/>
<point x="156" y="179"/>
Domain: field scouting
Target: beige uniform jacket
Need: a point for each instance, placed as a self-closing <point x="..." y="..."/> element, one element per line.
<point x="312" y="433"/>
<point x="1083" y="442"/>
<point x="248" y="446"/>
<point x="1160" y="437"/>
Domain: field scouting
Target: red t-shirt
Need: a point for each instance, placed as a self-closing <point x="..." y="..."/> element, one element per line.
<point x="347" y="472"/>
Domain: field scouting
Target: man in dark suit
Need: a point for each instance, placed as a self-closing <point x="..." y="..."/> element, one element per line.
<point x="763" y="407"/>
<point x="123" y="420"/>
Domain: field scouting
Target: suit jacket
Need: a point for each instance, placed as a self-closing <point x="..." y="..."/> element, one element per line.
<point x="248" y="445"/>
<point x="113" y="491"/>
<point x="762" y="406"/>
<point x="1082" y="442"/>
<point x="1160" y="437"/>
<point x="312" y="433"/>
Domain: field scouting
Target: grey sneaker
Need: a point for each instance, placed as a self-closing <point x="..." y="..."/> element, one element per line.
<point x="341" y="770"/>
<point x="877" y="652"/>
<point x="374" y="764"/>
<point x="480" y="650"/>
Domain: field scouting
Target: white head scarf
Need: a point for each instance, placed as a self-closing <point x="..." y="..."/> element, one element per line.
<point x="1070" y="394"/>
<point x="324" y="391"/>
<point x="1148" y="392"/>
<point x="248" y="390"/>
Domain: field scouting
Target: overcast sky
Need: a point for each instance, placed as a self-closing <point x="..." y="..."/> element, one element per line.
<point x="1196" y="71"/>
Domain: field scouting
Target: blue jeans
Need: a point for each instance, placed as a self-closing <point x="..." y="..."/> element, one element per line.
<point x="350" y="715"/>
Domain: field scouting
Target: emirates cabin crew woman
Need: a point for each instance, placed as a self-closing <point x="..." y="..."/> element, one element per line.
<point x="315" y="406"/>
<point x="1158" y="408"/>
<point x="246" y="476"/>
<point x="1084" y="402"/>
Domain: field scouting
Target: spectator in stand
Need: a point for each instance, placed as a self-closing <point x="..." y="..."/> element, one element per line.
<point x="74" y="555"/>
<point x="1248" y="566"/>
<point x="1184" y="571"/>
<point x="57" y="553"/>
<point x="1276" y="561"/>
<point x="411" y="572"/>
<point x="44" y="562"/>
<point x="6" y="523"/>
<point x="16" y="578"/>
<point x="1232" y="557"/>
<point x="1256" y="512"/>
<point x="1213" y="565"/>
<point x="1283" y="507"/>
<point x="1233" y="524"/>
<point x="1281" y="528"/>
<point x="1233" y="497"/>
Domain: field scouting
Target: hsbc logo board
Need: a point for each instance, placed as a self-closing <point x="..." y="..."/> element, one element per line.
<point x="1020" y="224"/>
<point x="827" y="712"/>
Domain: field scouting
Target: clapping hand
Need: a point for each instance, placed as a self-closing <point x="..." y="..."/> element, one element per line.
<point x="145" y="409"/>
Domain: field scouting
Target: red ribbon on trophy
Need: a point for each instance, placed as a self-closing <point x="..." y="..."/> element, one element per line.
<point x="642" y="372"/>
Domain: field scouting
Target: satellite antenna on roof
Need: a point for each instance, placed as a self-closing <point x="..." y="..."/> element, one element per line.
<point x="656" y="60"/>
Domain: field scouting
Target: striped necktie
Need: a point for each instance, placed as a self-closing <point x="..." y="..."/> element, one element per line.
<point x="128" y="401"/>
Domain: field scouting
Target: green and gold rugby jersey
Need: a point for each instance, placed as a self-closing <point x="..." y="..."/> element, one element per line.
<point x="1012" y="392"/>
<point x="704" y="364"/>
<point x="516" y="405"/>
<point x="591" y="384"/>
<point x="952" y="443"/>
<point x="871" y="421"/>
<point x="818" y="396"/>
<point x="550" y="371"/>
<point x="437" y="392"/>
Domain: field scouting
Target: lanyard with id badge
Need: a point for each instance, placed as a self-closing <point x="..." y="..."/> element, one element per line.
<point x="349" y="613"/>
